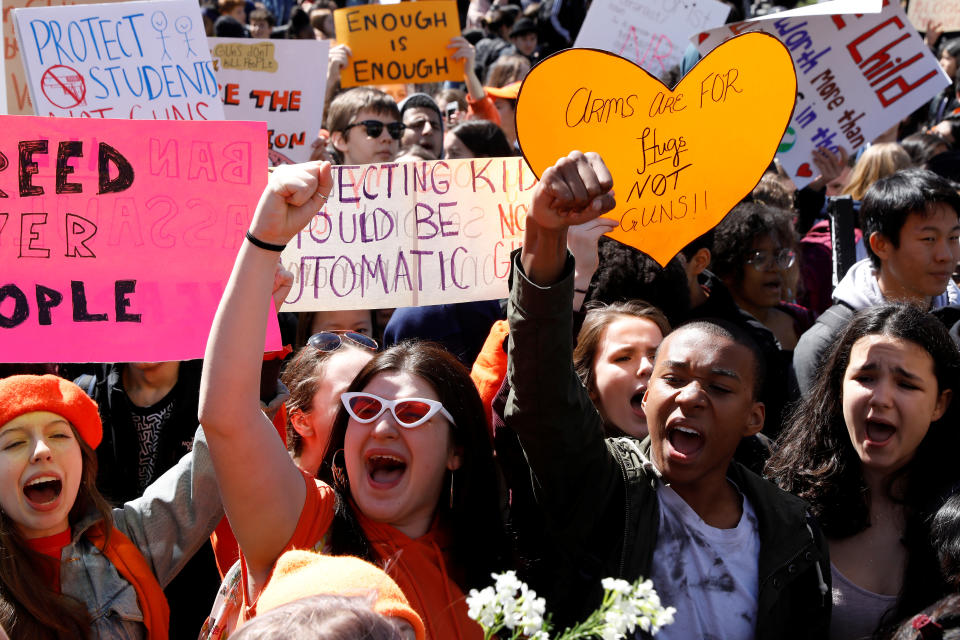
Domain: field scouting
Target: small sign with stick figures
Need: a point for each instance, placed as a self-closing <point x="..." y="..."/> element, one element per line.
<point x="142" y="60"/>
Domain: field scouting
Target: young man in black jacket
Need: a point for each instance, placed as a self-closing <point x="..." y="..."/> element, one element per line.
<point x="738" y="557"/>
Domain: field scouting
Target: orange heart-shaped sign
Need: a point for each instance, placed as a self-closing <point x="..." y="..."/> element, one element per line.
<point x="680" y="159"/>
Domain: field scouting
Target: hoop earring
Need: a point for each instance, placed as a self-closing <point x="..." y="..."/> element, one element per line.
<point x="339" y="473"/>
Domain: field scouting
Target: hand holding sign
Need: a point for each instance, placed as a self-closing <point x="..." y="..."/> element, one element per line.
<point x="398" y="43"/>
<point x="292" y="198"/>
<point x="680" y="159"/>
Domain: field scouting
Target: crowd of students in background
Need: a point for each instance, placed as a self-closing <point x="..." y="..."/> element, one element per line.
<point x="772" y="443"/>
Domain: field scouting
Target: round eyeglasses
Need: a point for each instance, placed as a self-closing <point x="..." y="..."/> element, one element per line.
<point x="765" y="260"/>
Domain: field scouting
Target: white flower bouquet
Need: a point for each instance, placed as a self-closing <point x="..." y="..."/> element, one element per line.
<point x="511" y="606"/>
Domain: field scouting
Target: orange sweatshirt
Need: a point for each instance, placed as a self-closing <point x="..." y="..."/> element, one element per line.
<point x="418" y="566"/>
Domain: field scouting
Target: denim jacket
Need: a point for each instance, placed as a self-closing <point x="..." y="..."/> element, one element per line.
<point x="168" y="524"/>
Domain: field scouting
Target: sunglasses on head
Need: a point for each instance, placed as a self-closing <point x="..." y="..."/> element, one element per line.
<point x="332" y="339"/>
<point x="374" y="128"/>
<point x="408" y="412"/>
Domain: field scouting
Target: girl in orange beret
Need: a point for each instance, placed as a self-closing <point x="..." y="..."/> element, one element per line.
<point x="70" y="566"/>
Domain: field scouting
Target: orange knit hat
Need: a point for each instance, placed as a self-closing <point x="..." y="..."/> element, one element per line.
<point x="25" y="394"/>
<point x="299" y="574"/>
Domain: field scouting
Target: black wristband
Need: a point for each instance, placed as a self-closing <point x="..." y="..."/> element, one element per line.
<point x="257" y="242"/>
<point x="583" y="291"/>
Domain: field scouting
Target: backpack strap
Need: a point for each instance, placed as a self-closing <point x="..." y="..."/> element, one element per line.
<point x="837" y="316"/>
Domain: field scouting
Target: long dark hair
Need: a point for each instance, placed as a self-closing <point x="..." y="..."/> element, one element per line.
<point x="29" y="608"/>
<point x="815" y="460"/>
<point x="479" y="539"/>
<point x="483" y="138"/>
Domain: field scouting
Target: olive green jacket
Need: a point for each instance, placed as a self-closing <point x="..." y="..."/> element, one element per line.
<point x="600" y="495"/>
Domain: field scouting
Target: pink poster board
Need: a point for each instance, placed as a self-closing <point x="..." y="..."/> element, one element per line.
<point x="117" y="237"/>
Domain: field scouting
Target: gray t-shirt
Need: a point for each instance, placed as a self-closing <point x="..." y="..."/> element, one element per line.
<point x="709" y="575"/>
<point x="856" y="611"/>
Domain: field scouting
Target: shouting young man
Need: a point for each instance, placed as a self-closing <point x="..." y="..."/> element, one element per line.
<point x="737" y="557"/>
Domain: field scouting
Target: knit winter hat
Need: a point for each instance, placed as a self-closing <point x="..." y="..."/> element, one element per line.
<point x="299" y="574"/>
<point x="25" y="394"/>
<point x="421" y="100"/>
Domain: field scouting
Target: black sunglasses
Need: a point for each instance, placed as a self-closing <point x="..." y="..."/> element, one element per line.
<point x="373" y="128"/>
<point x="332" y="339"/>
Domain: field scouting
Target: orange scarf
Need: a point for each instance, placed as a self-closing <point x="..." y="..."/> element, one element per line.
<point x="131" y="564"/>
<point x="419" y="567"/>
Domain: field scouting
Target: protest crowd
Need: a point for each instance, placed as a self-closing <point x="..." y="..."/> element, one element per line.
<point x="764" y="426"/>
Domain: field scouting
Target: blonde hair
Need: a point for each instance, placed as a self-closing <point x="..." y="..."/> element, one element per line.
<point x="878" y="161"/>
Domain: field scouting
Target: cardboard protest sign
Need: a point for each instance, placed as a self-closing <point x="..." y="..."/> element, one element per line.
<point x="945" y="13"/>
<point x="857" y="76"/>
<point x="399" y="43"/>
<point x="652" y="34"/>
<point x="264" y="80"/>
<point x="117" y="237"/>
<point x="139" y="60"/>
<point x="14" y="93"/>
<point x="3" y="86"/>
<point x="410" y="234"/>
<point x="680" y="159"/>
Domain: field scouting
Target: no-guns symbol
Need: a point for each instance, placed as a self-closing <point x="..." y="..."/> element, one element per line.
<point x="63" y="87"/>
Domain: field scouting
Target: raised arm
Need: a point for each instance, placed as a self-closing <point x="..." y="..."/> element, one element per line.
<point x="548" y="408"/>
<point x="463" y="50"/>
<point x="575" y="190"/>
<point x="337" y="60"/>
<point x="263" y="491"/>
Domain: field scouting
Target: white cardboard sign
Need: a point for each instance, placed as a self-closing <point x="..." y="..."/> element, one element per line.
<point x="411" y="234"/>
<point x="857" y="76"/>
<point x="263" y="80"/>
<point x="653" y="34"/>
<point x="943" y="13"/>
<point x="136" y="60"/>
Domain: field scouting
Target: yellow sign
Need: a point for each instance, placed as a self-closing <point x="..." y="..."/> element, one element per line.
<point x="399" y="43"/>
<point x="680" y="159"/>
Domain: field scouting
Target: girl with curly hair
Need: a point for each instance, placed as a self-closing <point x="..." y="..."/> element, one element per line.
<point x="874" y="456"/>
<point x="753" y="254"/>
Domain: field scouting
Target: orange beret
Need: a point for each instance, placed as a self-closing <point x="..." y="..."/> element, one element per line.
<point x="299" y="574"/>
<point x="25" y="394"/>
